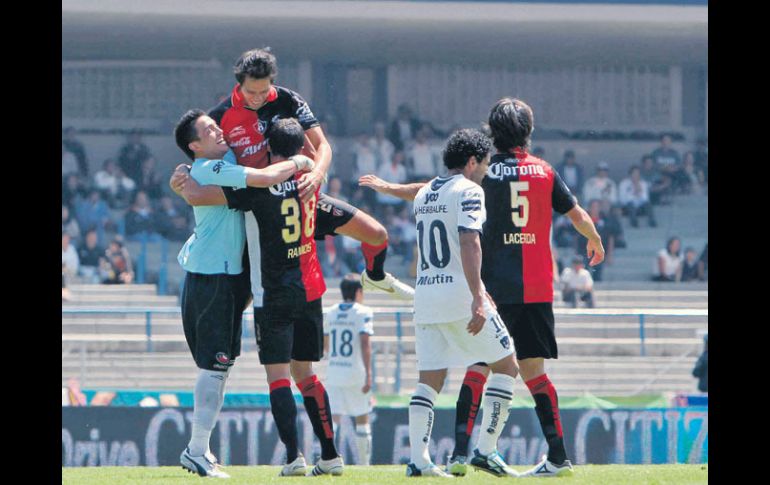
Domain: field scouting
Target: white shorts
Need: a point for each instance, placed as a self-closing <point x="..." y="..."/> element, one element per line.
<point x="349" y="400"/>
<point x="444" y="345"/>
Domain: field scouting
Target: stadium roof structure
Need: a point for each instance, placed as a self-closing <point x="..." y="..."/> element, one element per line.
<point x="383" y="32"/>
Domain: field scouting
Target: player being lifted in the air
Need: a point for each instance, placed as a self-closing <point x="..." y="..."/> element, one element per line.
<point x="347" y="330"/>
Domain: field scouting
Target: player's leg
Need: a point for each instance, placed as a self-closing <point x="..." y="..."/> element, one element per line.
<point x="274" y="336"/>
<point x="307" y="348"/>
<point x="334" y="216"/>
<point x="363" y="439"/>
<point x="208" y="308"/>
<point x="537" y="341"/>
<point x="468" y="403"/>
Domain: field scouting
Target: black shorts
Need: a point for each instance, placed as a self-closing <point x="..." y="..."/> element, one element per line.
<point x="287" y="330"/>
<point x="212" y="309"/>
<point x="331" y="213"/>
<point x="531" y="326"/>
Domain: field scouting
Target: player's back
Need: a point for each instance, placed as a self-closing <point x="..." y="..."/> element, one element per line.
<point x="345" y="322"/>
<point x="442" y="208"/>
<point x="521" y="193"/>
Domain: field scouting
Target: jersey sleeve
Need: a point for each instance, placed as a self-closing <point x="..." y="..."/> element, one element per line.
<point x="562" y="199"/>
<point x="471" y="212"/>
<point x="302" y="112"/>
<point x="219" y="172"/>
<point x="367" y="322"/>
<point x="239" y="199"/>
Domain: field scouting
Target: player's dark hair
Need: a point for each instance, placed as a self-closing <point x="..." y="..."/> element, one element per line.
<point x="185" y="133"/>
<point x="349" y="285"/>
<point x="463" y="144"/>
<point x="257" y="64"/>
<point x="286" y="137"/>
<point x="511" y="121"/>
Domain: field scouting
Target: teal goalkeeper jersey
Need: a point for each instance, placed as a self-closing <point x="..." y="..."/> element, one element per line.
<point x="216" y="246"/>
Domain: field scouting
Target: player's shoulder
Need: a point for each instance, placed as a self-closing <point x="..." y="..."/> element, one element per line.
<point x="284" y="94"/>
<point x="362" y="309"/>
<point x="218" y="112"/>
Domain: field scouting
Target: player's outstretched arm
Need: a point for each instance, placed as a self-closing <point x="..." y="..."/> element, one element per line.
<point x="366" y="356"/>
<point x="585" y="226"/>
<point x="278" y="172"/>
<point x="403" y="191"/>
<point x="470" y="254"/>
<point x="322" y="154"/>
<point x="192" y="192"/>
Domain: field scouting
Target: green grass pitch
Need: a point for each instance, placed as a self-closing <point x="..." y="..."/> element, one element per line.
<point x="388" y="474"/>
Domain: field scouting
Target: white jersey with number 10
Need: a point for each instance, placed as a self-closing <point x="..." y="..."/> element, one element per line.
<point x="443" y="207"/>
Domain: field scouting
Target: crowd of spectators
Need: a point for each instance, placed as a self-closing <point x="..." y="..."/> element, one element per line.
<point x="671" y="265"/>
<point x="123" y="200"/>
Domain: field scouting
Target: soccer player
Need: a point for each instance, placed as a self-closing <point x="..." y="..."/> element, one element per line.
<point x="290" y="332"/>
<point x="349" y="326"/>
<point x="246" y="117"/>
<point x="455" y="321"/>
<point x="520" y="276"/>
<point x="214" y="298"/>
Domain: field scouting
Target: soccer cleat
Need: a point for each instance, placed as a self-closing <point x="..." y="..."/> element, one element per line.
<point x="328" y="467"/>
<point x="389" y="284"/>
<point x="297" y="468"/>
<point x="457" y="466"/>
<point x="492" y="463"/>
<point x="548" y="469"/>
<point x="205" y="465"/>
<point x="429" y="471"/>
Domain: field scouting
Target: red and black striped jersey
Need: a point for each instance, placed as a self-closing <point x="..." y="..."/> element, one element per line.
<point x="521" y="193"/>
<point x="286" y="226"/>
<point x="244" y="128"/>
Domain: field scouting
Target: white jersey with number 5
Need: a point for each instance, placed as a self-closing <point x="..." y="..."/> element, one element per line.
<point x="444" y="207"/>
<point x="344" y="324"/>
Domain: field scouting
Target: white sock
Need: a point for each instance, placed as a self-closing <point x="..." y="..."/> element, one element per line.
<point x="208" y="395"/>
<point x="497" y="400"/>
<point x="364" y="443"/>
<point x="421" y="424"/>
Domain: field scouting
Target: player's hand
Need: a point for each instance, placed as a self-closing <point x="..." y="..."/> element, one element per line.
<point x="303" y="163"/>
<point x="373" y="182"/>
<point x="478" y="317"/>
<point x="491" y="301"/>
<point x="179" y="178"/>
<point x="368" y="386"/>
<point x="595" y="251"/>
<point x="308" y="184"/>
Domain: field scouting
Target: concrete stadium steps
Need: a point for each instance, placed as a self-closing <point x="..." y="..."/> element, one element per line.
<point x="572" y="375"/>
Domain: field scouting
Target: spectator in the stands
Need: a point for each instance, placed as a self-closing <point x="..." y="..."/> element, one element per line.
<point x="693" y="179"/>
<point x="91" y="255"/>
<point x="117" y="263"/>
<point x="659" y="183"/>
<point x="601" y="186"/>
<point x="403" y="128"/>
<point x="563" y="234"/>
<point x="149" y="180"/>
<point x="132" y="154"/>
<point x="613" y="215"/>
<point x="692" y="270"/>
<point x="93" y="212"/>
<point x="69" y="164"/>
<point x="608" y="239"/>
<point x="704" y="261"/>
<point x="140" y="219"/>
<point x="116" y="188"/>
<point x="382" y="147"/>
<point x="571" y="172"/>
<point x="634" y="195"/>
<point x="421" y="156"/>
<point x="72" y="189"/>
<point x="69" y="225"/>
<point x="364" y="157"/>
<point x="701" y="370"/>
<point x="702" y="159"/>
<point x="394" y="172"/>
<point x="69" y="257"/>
<point x="577" y="284"/>
<point x="75" y="147"/>
<point x="670" y="162"/>
<point x="408" y="233"/>
<point x="171" y="221"/>
<point x="668" y="264"/>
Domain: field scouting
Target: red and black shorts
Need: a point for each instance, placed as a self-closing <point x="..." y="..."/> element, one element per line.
<point x="531" y="326"/>
<point x="331" y="213"/>
<point x="288" y="329"/>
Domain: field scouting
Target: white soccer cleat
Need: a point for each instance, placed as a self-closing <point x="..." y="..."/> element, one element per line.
<point x="548" y="469"/>
<point x="205" y="465"/>
<point x="297" y="468"/>
<point x="328" y="467"/>
<point x="457" y="466"/>
<point x="390" y="284"/>
<point x="492" y="463"/>
<point x="429" y="471"/>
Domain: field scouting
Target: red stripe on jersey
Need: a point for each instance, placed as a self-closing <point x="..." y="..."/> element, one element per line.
<point x="537" y="263"/>
<point x="309" y="265"/>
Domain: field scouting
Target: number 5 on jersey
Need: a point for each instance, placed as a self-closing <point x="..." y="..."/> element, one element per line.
<point x="519" y="203"/>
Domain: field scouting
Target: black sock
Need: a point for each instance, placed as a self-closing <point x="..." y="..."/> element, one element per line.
<point x="285" y="414"/>
<point x="375" y="259"/>
<point x="547" y="409"/>
<point x="318" y="410"/>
